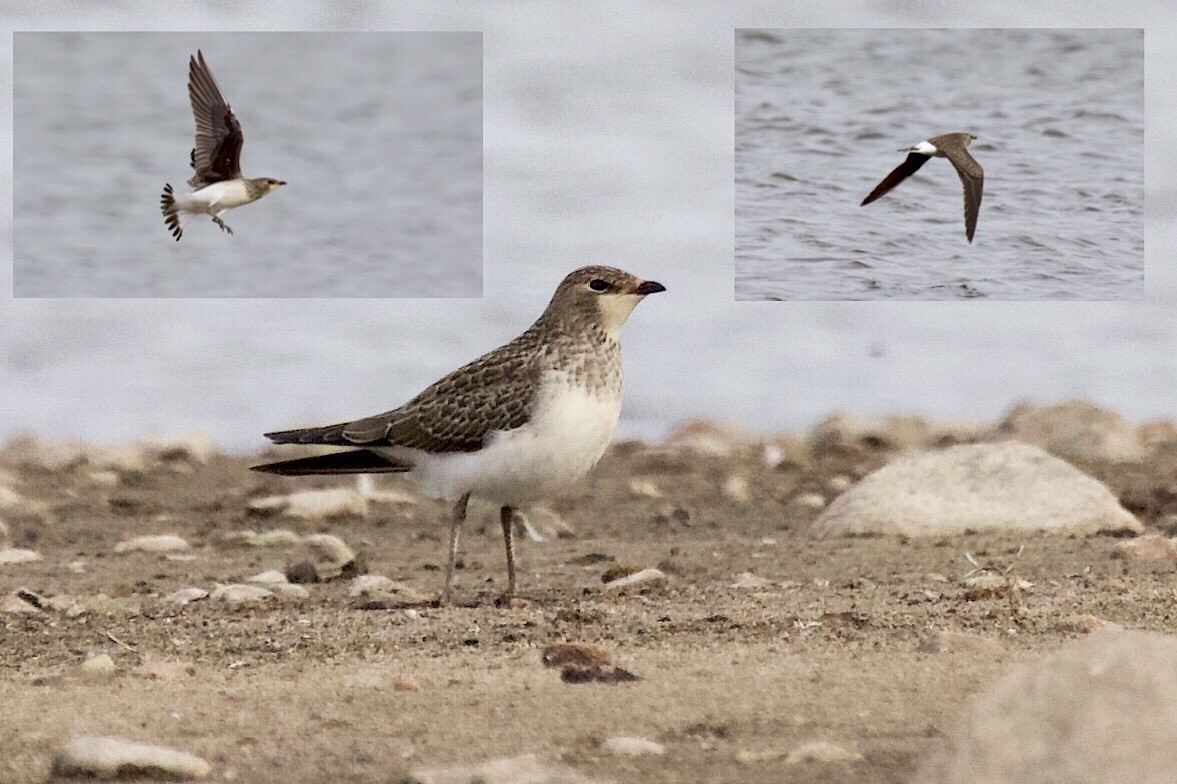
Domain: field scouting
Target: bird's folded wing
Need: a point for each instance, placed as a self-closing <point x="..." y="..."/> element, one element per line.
<point x="458" y="412"/>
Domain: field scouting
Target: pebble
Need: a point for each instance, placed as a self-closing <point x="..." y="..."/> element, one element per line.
<point x="751" y="581"/>
<point x="644" y="488"/>
<point x="331" y="555"/>
<point x="1150" y="547"/>
<point x="821" y="751"/>
<point x="160" y="543"/>
<point x="646" y="577"/>
<point x="704" y="437"/>
<point x="814" y="502"/>
<point x="98" y="668"/>
<point x="575" y="653"/>
<point x="11" y="603"/>
<point x="735" y="489"/>
<point x="15" y="555"/>
<point x="185" y="596"/>
<point x="623" y="746"/>
<point x="279" y="537"/>
<point x="109" y="758"/>
<point x="288" y="590"/>
<point x="237" y="593"/>
<point x="527" y="769"/>
<point x="313" y="504"/>
<point x="377" y="592"/>
<point x="271" y="577"/>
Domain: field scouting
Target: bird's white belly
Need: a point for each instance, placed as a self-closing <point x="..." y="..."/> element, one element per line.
<point x="218" y="197"/>
<point x="563" y="440"/>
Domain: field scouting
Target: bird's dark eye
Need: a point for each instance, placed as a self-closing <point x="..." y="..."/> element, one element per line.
<point x="596" y="284"/>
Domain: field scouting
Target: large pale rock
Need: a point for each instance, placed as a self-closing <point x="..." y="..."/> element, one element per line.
<point x="976" y="487"/>
<point x="15" y="555"/>
<point x="108" y="758"/>
<point x="1074" y="429"/>
<point x="1101" y="709"/>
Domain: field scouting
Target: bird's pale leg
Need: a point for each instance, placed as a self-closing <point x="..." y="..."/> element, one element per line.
<point x="507" y="520"/>
<point x="459" y="517"/>
<point x="224" y="226"/>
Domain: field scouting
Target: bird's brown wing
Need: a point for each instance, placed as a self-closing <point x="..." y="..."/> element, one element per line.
<point x="217" y="154"/>
<point x="455" y="414"/>
<point x="900" y="173"/>
<point x="972" y="177"/>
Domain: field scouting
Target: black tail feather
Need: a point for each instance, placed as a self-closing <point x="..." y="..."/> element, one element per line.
<point x="357" y="461"/>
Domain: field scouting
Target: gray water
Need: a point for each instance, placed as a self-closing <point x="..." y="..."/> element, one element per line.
<point x="609" y="138"/>
<point x="1059" y="116"/>
<point x="378" y="135"/>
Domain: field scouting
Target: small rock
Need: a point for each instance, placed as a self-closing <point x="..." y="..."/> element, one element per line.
<point x="302" y="573"/>
<point x="644" y="488"/>
<point x="279" y="537"/>
<point x="98" y="668"/>
<point x="12" y="603"/>
<point x="313" y="504"/>
<point x="839" y="484"/>
<point x="601" y="673"/>
<point x="236" y="593"/>
<point x="109" y="758"/>
<point x="332" y="556"/>
<point x="573" y="653"/>
<point x="104" y="478"/>
<point x="377" y="592"/>
<point x="99" y="604"/>
<point x="1150" y="547"/>
<point x="162" y="543"/>
<point x="623" y="746"/>
<point x="185" y="596"/>
<point x="15" y="555"/>
<point x="746" y="757"/>
<point x="751" y="581"/>
<point x="735" y="489"/>
<point x="716" y="439"/>
<point x="821" y="751"/>
<point x="271" y="577"/>
<point x="192" y="448"/>
<point x="16" y="507"/>
<point x="1086" y="624"/>
<point x="289" y="591"/>
<point x="1074" y="429"/>
<point x="813" y="502"/>
<point x="646" y="578"/>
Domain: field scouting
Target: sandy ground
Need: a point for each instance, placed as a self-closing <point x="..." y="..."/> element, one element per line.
<point x="831" y="645"/>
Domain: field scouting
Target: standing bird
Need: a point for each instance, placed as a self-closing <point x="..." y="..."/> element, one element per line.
<point x="952" y="146"/>
<point x="216" y="158"/>
<point x="517" y="424"/>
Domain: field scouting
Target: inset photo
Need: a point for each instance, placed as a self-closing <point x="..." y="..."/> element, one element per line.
<point x="247" y="164"/>
<point x="939" y="164"/>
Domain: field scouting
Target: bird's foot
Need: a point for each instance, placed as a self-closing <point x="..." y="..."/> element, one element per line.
<point x="224" y="226"/>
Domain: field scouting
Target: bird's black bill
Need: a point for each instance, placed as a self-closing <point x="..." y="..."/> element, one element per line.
<point x="650" y="287"/>
<point x="359" y="461"/>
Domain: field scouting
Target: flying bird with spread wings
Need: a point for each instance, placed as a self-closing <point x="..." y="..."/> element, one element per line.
<point x="218" y="181"/>
<point x="952" y="146"/>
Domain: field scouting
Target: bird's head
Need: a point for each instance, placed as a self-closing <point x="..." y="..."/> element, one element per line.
<point x="271" y="184"/>
<point x="602" y="295"/>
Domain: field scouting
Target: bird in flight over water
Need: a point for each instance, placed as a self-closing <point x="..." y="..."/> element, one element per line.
<point x="218" y="181"/>
<point x="954" y="147"/>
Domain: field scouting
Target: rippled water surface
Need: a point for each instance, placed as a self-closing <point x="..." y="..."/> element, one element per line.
<point x="609" y="139"/>
<point x="378" y="135"/>
<point x="1059" y="116"/>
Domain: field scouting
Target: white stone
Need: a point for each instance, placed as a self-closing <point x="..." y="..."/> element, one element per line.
<point x="649" y="576"/>
<point x="185" y="596"/>
<point x="821" y="751"/>
<point x="268" y="578"/>
<point x="161" y="543"/>
<point x="289" y="590"/>
<point x="330" y="551"/>
<point x="16" y="555"/>
<point x="644" y="488"/>
<point x="237" y="592"/>
<point x="979" y="487"/>
<point x="1074" y="429"/>
<point x="623" y="746"/>
<point x="314" y="504"/>
<point x="100" y="667"/>
<point x="717" y="439"/>
<point x="1100" y="709"/>
<point x="109" y="758"/>
<point x="735" y="489"/>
